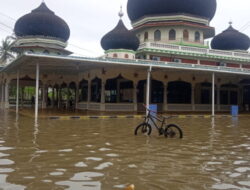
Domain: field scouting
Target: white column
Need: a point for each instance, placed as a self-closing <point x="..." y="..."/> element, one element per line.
<point x="6" y="94"/>
<point x="148" y="86"/>
<point x="135" y="95"/>
<point x="103" y="95"/>
<point x="58" y="94"/>
<point x="165" y="97"/>
<point x="213" y="94"/>
<point x="17" y="92"/>
<point x="2" y="95"/>
<point x="77" y="95"/>
<point x="89" y="93"/>
<point x="193" y="97"/>
<point x="44" y="96"/>
<point x="67" y="101"/>
<point x="53" y="97"/>
<point x="118" y="98"/>
<point x="37" y="91"/>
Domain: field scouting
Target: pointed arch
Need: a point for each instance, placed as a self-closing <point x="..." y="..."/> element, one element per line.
<point x="157" y="35"/>
<point x="172" y="34"/>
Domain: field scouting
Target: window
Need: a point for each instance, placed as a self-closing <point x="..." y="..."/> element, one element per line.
<point x="172" y="35"/>
<point x="126" y="56"/>
<point x="46" y="52"/>
<point x="145" y="36"/>
<point x="157" y="35"/>
<point x="185" y="35"/>
<point x="197" y="36"/>
<point x="115" y="55"/>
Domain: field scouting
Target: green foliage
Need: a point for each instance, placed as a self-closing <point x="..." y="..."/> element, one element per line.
<point x="6" y="54"/>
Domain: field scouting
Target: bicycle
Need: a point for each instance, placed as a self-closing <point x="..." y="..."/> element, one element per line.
<point x="168" y="130"/>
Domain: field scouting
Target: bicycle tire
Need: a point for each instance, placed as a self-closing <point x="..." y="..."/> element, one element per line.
<point x="144" y="128"/>
<point x="173" y="131"/>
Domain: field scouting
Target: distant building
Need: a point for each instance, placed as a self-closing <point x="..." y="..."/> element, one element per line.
<point x="168" y="36"/>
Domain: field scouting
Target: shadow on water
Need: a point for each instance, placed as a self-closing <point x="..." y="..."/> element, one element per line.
<point x="104" y="154"/>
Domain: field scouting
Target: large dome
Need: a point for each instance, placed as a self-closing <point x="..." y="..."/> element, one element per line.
<point x="120" y="38"/>
<point x="42" y="22"/>
<point x="202" y="8"/>
<point x="231" y="39"/>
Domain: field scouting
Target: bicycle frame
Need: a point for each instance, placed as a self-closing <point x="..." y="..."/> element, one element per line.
<point x="151" y="118"/>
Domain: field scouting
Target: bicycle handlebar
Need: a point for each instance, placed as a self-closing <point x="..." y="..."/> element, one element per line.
<point x="144" y="105"/>
<point x="165" y="117"/>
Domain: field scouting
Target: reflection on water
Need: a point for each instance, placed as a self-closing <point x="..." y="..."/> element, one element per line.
<point x="105" y="155"/>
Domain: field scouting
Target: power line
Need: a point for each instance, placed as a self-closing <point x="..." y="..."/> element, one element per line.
<point x="7" y="16"/>
<point x="90" y="51"/>
<point x="245" y="26"/>
<point x="11" y="28"/>
<point x="6" y="26"/>
<point x="4" y="30"/>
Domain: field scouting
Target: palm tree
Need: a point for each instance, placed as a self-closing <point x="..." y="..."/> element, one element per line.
<point x="6" y="54"/>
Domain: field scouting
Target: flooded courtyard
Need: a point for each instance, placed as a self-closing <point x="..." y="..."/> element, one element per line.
<point x="103" y="154"/>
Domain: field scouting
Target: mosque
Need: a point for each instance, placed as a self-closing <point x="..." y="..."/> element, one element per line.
<point x="163" y="60"/>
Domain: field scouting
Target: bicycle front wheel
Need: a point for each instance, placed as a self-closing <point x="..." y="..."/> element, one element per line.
<point x="143" y="128"/>
<point x="173" y="131"/>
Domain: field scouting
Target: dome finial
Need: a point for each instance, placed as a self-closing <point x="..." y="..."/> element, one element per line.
<point x="230" y="22"/>
<point x="121" y="13"/>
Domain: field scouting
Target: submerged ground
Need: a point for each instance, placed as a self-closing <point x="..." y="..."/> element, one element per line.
<point x="103" y="154"/>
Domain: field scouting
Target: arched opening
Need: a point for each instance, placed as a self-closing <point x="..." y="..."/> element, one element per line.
<point x="172" y="35"/>
<point x="145" y="36"/>
<point x="126" y="56"/>
<point x="197" y="36"/>
<point x="63" y="95"/>
<point x="118" y="89"/>
<point x="72" y="95"/>
<point x="185" y="35"/>
<point x="83" y="91"/>
<point x="246" y="97"/>
<point x="157" y="35"/>
<point x="50" y="98"/>
<point x="157" y="91"/>
<point x="229" y="94"/>
<point x="96" y="85"/>
<point x="26" y="91"/>
<point x="141" y="89"/>
<point x="46" y="52"/>
<point x="56" y="95"/>
<point x="179" y="92"/>
<point x="206" y="93"/>
<point x="115" y="55"/>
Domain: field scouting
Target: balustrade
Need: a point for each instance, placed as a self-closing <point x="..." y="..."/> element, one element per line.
<point x="195" y="50"/>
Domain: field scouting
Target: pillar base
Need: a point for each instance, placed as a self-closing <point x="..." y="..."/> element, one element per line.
<point x="165" y="107"/>
<point x="135" y="107"/>
<point x="6" y="105"/>
<point x="102" y="107"/>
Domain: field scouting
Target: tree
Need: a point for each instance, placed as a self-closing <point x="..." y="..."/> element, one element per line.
<point x="6" y="54"/>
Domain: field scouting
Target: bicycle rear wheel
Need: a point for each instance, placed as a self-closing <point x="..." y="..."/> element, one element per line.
<point x="173" y="131"/>
<point x="143" y="128"/>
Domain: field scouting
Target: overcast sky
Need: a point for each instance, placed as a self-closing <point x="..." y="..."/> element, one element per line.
<point x="89" y="20"/>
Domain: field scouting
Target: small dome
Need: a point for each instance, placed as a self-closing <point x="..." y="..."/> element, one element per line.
<point x="120" y="38"/>
<point x="231" y="39"/>
<point x="42" y="22"/>
<point x="202" y="8"/>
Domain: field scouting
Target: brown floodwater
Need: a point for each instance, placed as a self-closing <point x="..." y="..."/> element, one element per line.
<point x="103" y="154"/>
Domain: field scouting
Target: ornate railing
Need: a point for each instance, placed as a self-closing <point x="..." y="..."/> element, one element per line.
<point x="196" y="50"/>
